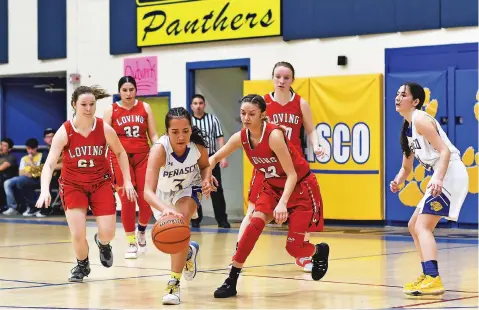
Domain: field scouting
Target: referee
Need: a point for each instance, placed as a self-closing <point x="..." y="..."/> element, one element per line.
<point x="211" y="127"/>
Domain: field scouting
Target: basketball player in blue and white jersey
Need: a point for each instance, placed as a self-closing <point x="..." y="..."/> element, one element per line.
<point x="423" y="136"/>
<point x="176" y="178"/>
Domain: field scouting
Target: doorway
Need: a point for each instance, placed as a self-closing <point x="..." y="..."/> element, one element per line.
<point x="221" y="83"/>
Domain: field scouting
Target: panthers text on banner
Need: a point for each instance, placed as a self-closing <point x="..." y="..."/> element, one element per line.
<point x="206" y="20"/>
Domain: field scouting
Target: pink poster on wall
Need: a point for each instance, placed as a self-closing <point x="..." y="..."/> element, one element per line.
<point x="144" y="70"/>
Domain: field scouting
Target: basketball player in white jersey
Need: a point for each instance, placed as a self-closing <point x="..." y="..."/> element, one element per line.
<point x="176" y="178"/>
<point x="423" y="138"/>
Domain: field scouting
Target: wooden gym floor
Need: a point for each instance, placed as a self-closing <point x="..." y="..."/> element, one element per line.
<point x="367" y="270"/>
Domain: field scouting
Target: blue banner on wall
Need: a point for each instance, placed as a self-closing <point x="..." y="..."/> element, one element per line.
<point x="466" y="109"/>
<point x="400" y="206"/>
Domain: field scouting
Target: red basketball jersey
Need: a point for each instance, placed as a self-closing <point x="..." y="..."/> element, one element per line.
<point x="288" y="115"/>
<point x="131" y="126"/>
<point x="265" y="160"/>
<point x="84" y="160"/>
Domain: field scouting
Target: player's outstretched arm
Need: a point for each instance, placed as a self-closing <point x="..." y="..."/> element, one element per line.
<point x="233" y="143"/>
<point x="206" y="173"/>
<point x="60" y="139"/>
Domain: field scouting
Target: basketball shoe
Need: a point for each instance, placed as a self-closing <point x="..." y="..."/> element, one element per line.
<point x="141" y="239"/>
<point x="106" y="256"/>
<point x="80" y="271"/>
<point x="190" y="267"/>
<point x="410" y="287"/>
<point x="429" y="286"/>
<point x="172" y="293"/>
<point x="320" y="261"/>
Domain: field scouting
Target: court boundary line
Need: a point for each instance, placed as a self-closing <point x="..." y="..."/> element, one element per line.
<point x="21" y="281"/>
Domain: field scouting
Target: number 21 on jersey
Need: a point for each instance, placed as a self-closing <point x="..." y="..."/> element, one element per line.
<point x="83" y="163"/>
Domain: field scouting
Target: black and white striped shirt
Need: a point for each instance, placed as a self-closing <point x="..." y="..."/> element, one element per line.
<point x="211" y="127"/>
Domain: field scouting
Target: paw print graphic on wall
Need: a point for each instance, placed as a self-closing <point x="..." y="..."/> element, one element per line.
<point x="430" y="106"/>
<point x="415" y="185"/>
<point x="471" y="160"/>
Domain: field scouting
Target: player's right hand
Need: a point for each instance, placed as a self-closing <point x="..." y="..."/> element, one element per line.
<point x="171" y="211"/>
<point x="280" y="213"/>
<point x="44" y="200"/>
<point x="129" y="190"/>
<point x="394" y="186"/>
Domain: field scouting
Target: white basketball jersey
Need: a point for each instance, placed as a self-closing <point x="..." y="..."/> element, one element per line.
<point x="424" y="152"/>
<point x="179" y="172"/>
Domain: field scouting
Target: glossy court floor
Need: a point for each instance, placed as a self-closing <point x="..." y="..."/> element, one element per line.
<point x="367" y="270"/>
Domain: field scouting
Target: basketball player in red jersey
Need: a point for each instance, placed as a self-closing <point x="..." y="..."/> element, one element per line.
<point x="286" y="108"/>
<point x="85" y="180"/>
<point x="289" y="190"/>
<point x="134" y="123"/>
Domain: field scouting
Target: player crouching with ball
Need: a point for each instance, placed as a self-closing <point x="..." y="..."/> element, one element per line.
<point x="176" y="178"/>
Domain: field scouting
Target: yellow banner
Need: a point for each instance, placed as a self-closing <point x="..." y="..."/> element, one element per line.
<point x="173" y="22"/>
<point x="348" y="113"/>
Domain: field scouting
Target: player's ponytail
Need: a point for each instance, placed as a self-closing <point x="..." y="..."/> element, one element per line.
<point x="197" y="135"/>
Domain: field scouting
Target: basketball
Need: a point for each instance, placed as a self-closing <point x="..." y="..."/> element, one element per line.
<point x="170" y="234"/>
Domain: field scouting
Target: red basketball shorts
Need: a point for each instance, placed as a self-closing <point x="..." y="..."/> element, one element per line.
<point x="138" y="163"/>
<point x="99" y="196"/>
<point x="305" y="206"/>
<point x="255" y="186"/>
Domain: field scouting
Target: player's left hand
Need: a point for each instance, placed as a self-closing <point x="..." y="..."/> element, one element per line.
<point x="280" y="213"/>
<point x="436" y="187"/>
<point x="129" y="190"/>
<point x="320" y="152"/>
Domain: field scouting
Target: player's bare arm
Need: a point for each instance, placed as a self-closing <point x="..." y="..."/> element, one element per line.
<point x="426" y="127"/>
<point x="152" y="134"/>
<point x="278" y="145"/>
<point x="206" y="174"/>
<point x="120" y="153"/>
<point x="309" y="127"/>
<point x="156" y="160"/>
<point x="107" y="114"/>
<point x="58" y="143"/>
<point x="233" y="143"/>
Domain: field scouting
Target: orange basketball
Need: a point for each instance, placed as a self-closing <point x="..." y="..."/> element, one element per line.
<point x="170" y="234"/>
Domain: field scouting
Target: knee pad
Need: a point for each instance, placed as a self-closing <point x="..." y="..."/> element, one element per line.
<point x="296" y="247"/>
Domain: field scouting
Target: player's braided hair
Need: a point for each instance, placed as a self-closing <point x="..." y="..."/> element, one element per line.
<point x="95" y="90"/>
<point x="197" y="135"/>
<point x="417" y="92"/>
